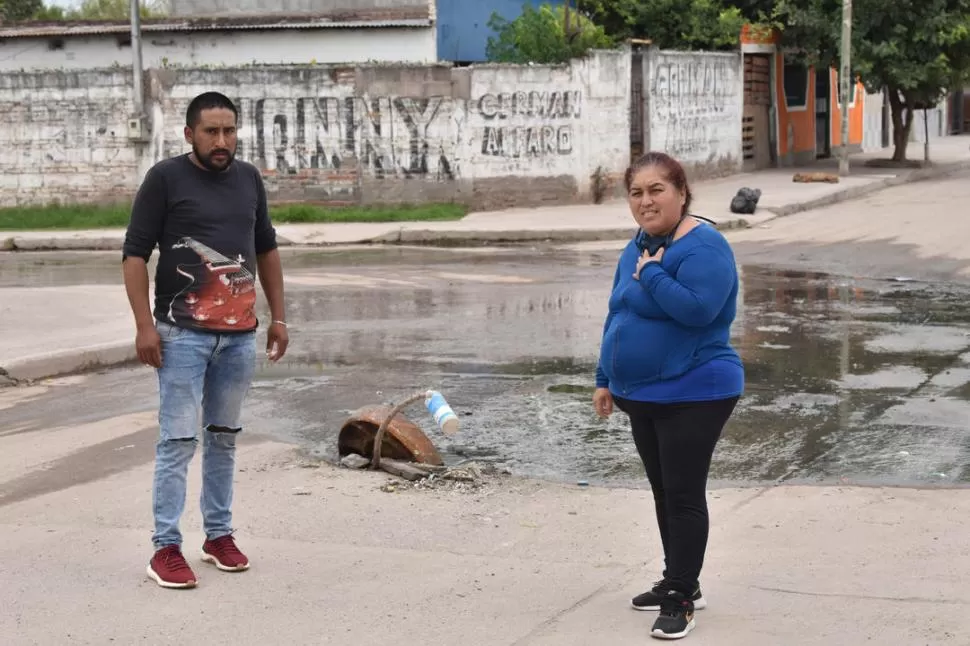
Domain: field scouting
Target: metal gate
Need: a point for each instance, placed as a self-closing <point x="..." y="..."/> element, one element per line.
<point x="637" y="142"/>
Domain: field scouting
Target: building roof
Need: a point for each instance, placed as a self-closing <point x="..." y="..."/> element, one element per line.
<point x="356" y="19"/>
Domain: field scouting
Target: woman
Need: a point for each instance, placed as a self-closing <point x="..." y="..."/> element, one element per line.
<point x="667" y="362"/>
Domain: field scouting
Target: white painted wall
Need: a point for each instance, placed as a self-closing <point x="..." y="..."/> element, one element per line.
<point x="935" y="122"/>
<point x="225" y="49"/>
<point x="549" y="121"/>
<point x="513" y="133"/>
<point x="516" y="122"/>
<point x="63" y="137"/>
<point x="314" y="122"/>
<point x="695" y="105"/>
<point x="285" y="7"/>
<point x="872" y="122"/>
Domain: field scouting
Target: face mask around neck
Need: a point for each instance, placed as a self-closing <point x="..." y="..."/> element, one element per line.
<point x="651" y="243"/>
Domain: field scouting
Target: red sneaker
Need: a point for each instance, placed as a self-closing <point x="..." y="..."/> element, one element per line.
<point x="169" y="569"/>
<point x="223" y="553"/>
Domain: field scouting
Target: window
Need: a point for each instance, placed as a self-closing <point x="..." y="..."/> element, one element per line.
<point x="796" y="85"/>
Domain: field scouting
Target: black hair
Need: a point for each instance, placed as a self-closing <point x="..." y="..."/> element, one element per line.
<point x="207" y="101"/>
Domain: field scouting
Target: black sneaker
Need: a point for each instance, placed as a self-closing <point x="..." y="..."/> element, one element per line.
<point x="650" y="600"/>
<point x="676" y="617"/>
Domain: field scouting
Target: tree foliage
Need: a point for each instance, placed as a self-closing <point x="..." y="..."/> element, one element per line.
<point x="19" y="10"/>
<point x="679" y="24"/>
<point x="914" y="49"/>
<point x="540" y="36"/>
<point x="13" y="10"/>
<point x="114" y="10"/>
<point x="50" y="13"/>
<point x="690" y="24"/>
<point x="617" y="17"/>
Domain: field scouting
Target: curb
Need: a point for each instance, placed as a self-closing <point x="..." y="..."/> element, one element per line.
<point x="916" y="175"/>
<point x="455" y="238"/>
<point x="65" y="362"/>
<point x="53" y="243"/>
<point x="427" y="237"/>
<point x="430" y="237"/>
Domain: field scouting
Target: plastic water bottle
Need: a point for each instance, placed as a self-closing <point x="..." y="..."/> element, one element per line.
<point x="444" y="417"/>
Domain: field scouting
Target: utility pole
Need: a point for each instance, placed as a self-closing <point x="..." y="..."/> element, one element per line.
<point x="845" y="83"/>
<point x="566" y="20"/>
<point x="136" y="68"/>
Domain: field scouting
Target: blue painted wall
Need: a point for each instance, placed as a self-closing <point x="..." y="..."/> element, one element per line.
<point x="463" y="29"/>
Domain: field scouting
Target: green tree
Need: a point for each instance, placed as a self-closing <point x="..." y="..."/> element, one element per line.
<point x="49" y="13"/>
<point x="679" y="24"/>
<point x="540" y="36"/>
<point x="690" y="24"/>
<point x="914" y="49"/>
<point x="94" y="10"/>
<point x="12" y="10"/>
<point x="617" y="17"/>
<point x="115" y="10"/>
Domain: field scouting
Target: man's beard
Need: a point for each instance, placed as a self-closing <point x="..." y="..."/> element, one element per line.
<point x="206" y="160"/>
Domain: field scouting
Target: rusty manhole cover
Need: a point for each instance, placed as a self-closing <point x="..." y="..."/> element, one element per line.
<point x="403" y="440"/>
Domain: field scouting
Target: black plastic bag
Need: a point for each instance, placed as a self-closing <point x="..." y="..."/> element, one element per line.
<point x="746" y="201"/>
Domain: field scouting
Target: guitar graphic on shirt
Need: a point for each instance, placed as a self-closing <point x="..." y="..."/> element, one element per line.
<point x="224" y="297"/>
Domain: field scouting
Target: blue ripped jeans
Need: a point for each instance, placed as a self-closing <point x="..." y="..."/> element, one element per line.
<point x="203" y="374"/>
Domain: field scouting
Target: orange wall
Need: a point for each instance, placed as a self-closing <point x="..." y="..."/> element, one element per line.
<point x="802" y="121"/>
<point x="856" y="112"/>
<point x="750" y="36"/>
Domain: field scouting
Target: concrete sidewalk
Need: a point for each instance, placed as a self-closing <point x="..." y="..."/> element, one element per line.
<point x="577" y="223"/>
<point x="340" y="559"/>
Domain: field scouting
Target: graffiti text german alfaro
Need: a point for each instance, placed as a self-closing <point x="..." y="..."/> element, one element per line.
<point x="532" y="123"/>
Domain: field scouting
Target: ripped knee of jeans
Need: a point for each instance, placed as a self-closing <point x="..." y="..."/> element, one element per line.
<point x="192" y="439"/>
<point x="215" y="428"/>
<point x="176" y="448"/>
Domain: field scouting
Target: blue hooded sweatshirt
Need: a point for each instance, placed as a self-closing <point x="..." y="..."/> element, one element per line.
<point x="675" y="318"/>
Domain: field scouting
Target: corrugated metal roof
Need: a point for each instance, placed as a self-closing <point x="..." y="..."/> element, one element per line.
<point x="62" y="29"/>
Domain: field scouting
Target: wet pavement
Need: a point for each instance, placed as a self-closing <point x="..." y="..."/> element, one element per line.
<point x="849" y="380"/>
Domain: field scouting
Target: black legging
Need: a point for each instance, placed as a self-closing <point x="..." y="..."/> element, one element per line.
<point x="675" y="443"/>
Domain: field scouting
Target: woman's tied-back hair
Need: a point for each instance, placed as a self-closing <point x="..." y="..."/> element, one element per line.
<point x="673" y="172"/>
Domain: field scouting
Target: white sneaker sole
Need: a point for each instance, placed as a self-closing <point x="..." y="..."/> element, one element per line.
<point x="168" y="584"/>
<point x="208" y="558"/>
<point x="659" y="634"/>
<point x="700" y="604"/>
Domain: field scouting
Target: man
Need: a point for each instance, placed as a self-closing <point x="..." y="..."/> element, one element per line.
<point x="207" y="213"/>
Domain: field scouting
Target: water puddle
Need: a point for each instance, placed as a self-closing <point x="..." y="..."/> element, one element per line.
<point x="848" y="381"/>
<point x="893" y="378"/>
